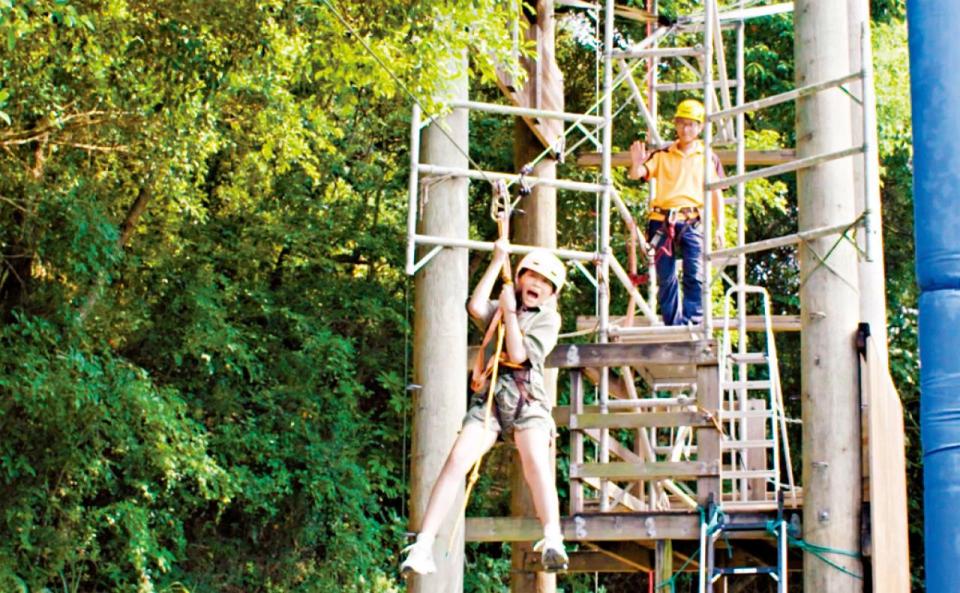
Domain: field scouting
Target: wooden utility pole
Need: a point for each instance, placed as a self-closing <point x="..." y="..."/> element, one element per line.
<point x="873" y="301"/>
<point x="440" y="339"/>
<point x="829" y="297"/>
<point x="536" y="225"/>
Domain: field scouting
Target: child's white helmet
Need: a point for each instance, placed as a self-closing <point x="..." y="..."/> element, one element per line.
<point x="545" y="263"/>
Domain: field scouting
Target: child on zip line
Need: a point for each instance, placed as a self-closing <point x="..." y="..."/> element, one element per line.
<point x="520" y="406"/>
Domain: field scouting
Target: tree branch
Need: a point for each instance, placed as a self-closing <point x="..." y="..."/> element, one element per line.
<point x="27" y="136"/>
<point x="126" y="231"/>
<point x="133" y="215"/>
<point x="93" y="147"/>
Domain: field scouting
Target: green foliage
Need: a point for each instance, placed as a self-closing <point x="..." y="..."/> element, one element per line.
<point x="202" y="373"/>
<point x="100" y="465"/>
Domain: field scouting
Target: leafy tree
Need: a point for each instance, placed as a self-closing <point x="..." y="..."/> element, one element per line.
<point x="202" y="359"/>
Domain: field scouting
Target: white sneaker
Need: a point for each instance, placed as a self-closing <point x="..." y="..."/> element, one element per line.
<point x="553" y="556"/>
<point x="419" y="558"/>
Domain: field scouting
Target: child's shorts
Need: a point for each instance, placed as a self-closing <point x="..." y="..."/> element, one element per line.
<point x="507" y="414"/>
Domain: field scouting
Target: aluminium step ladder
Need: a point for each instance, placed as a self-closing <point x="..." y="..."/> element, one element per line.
<point x="751" y="411"/>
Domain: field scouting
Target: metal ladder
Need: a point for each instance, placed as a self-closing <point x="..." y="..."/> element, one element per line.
<point x="716" y="527"/>
<point x="739" y="412"/>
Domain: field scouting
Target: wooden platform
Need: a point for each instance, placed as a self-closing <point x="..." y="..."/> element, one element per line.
<point x="639" y="483"/>
<point x="636" y="557"/>
<point x="566" y="356"/>
<point x="638" y="527"/>
<point x="661" y="334"/>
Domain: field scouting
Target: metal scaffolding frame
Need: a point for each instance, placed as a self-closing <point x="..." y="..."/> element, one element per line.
<point x="727" y="114"/>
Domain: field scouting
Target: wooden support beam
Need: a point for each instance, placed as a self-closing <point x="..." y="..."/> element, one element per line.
<point x="617" y="387"/>
<point x="829" y="302"/>
<point x="584" y="561"/>
<point x="535" y="223"/>
<point x="616" y="355"/>
<point x="623" y="471"/>
<point x="628" y="501"/>
<point x="727" y="157"/>
<point x="708" y="438"/>
<point x="639" y="420"/>
<point x="576" y="438"/>
<point x="630" y="553"/>
<point x="890" y="552"/>
<point x="641" y="527"/>
<point x="543" y="88"/>
<point x="561" y="416"/>
<point x="634" y="14"/>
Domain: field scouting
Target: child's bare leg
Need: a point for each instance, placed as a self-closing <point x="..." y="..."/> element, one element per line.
<point x="472" y="442"/>
<point x="534" y="447"/>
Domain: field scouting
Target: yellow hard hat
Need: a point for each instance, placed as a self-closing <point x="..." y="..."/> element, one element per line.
<point x="690" y="109"/>
<point x="545" y="263"/>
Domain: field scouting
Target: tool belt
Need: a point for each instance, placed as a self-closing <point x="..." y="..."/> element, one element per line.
<point x="674" y="214"/>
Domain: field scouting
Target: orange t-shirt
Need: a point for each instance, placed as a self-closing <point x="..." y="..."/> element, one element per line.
<point x="679" y="176"/>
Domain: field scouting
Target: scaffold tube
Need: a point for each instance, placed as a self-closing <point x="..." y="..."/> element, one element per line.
<point x="934" y="28"/>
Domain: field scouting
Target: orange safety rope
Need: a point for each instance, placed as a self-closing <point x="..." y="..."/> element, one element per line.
<point x="502" y="216"/>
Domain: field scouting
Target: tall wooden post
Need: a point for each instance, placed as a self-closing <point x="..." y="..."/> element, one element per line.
<point x="873" y="301"/>
<point x="829" y="298"/>
<point x="440" y="340"/>
<point x="536" y="225"/>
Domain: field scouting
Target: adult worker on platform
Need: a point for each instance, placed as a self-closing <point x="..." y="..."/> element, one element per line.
<point x="675" y="212"/>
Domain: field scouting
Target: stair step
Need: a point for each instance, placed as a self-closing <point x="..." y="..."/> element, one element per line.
<point x="623" y="471"/>
<point x="677" y="384"/>
<point x="740" y="570"/>
<point x="736" y="445"/>
<point x="748" y="357"/>
<point x="741" y="414"/>
<point x="638" y="420"/>
<point x="738" y="526"/>
<point x="765" y="384"/>
<point x="650" y="402"/>
<point x="741" y="474"/>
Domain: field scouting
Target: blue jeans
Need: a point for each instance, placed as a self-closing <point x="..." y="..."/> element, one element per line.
<point x="688" y="238"/>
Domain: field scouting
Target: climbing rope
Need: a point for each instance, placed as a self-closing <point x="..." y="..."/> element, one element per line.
<point x="500" y="210"/>
<point x="409" y="387"/>
<point x="487" y="411"/>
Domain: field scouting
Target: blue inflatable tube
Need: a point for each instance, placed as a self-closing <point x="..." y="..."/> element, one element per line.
<point x="934" y="29"/>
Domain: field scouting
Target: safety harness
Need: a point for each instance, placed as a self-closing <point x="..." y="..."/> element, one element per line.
<point x="482" y="373"/>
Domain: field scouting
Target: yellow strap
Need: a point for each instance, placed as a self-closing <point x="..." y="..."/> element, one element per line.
<point x="487" y="411"/>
